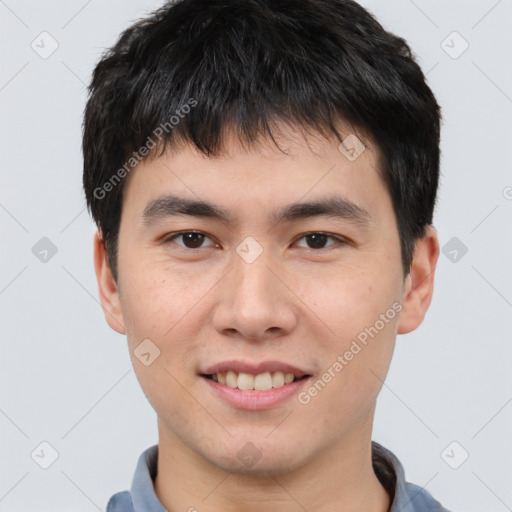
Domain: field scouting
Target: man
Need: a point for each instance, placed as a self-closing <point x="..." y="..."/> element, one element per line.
<point x="263" y="175"/>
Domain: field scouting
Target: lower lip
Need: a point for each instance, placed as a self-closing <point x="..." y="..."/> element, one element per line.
<point x="255" y="400"/>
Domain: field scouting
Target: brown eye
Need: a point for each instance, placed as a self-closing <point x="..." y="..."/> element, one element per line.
<point x="319" y="240"/>
<point x="190" y="240"/>
<point x="193" y="240"/>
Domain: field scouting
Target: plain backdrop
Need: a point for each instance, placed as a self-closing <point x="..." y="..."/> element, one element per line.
<point x="66" y="378"/>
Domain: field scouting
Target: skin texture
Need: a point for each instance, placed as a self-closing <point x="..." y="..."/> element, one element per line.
<point x="296" y="304"/>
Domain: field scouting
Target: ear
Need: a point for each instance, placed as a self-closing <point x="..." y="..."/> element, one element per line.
<point x="419" y="283"/>
<point x="109" y="293"/>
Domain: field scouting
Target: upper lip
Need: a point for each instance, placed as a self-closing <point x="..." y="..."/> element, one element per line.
<point x="254" y="368"/>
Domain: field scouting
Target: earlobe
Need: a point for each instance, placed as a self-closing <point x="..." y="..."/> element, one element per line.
<point x="419" y="284"/>
<point x="107" y="287"/>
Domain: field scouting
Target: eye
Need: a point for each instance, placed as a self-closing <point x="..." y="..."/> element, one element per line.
<point x="319" y="240"/>
<point x="190" y="239"/>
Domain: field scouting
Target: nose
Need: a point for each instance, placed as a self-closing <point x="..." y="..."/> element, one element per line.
<point x="255" y="303"/>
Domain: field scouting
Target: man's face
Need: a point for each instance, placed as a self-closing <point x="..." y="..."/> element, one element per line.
<point x="268" y="288"/>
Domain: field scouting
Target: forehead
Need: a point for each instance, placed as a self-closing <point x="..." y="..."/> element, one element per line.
<point x="263" y="173"/>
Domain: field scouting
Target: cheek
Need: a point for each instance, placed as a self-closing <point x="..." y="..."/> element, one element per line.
<point x="164" y="306"/>
<point x="349" y="301"/>
<point x="156" y="299"/>
<point x="359" y="316"/>
<point x="355" y="365"/>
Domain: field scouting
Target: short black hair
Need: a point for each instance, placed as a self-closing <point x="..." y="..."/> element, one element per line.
<point x="194" y="68"/>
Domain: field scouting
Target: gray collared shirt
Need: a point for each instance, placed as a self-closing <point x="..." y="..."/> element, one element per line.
<point x="406" y="497"/>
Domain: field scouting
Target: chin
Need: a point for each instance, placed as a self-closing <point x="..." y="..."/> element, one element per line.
<point x="257" y="460"/>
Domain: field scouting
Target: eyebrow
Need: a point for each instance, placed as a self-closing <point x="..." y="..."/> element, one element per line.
<point x="333" y="206"/>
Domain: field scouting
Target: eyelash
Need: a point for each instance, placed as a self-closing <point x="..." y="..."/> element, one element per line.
<point x="339" y="240"/>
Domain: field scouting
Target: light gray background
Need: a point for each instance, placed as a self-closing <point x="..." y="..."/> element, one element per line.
<point x="66" y="378"/>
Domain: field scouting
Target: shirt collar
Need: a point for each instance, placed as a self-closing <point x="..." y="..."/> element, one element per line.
<point x="390" y="473"/>
<point x="387" y="467"/>
<point x="142" y="491"/>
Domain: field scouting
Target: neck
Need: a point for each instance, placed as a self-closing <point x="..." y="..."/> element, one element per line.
<point x="342" y="478"/>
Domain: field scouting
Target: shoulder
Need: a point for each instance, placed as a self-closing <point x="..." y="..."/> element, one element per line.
<point x="406" y="497"/>
<point x="419" y="500"/>
<point x="120" y="502"/>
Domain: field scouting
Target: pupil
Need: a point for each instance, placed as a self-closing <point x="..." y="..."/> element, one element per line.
<point x="317" y="240"/>
<point x="193" y="240"/>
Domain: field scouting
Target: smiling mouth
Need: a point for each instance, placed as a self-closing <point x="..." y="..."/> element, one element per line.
<point x="260" y="382"/>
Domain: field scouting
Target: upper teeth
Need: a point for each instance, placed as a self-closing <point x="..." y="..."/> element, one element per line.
<point x="260" y="382"/>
